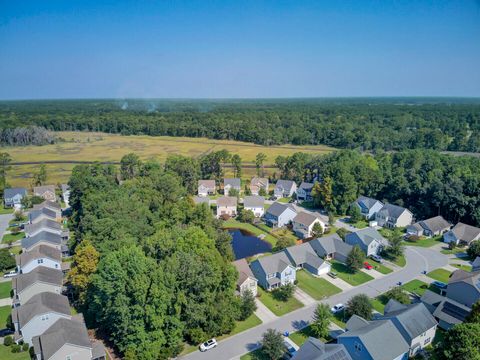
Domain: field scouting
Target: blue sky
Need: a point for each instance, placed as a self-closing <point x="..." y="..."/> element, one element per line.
<point x="239" y="49"/>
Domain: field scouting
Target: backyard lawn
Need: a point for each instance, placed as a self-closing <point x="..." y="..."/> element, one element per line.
<point x="279" y="308"/>
<point x="13" y="237"/>
<point x="317" y="288"/>
<point x="234" y="224"/>
<point x="4" y="313"/>
<point x="300" y="336"/>
<point x="440" y="275"/>
<point x="378" y="304"/>
<point x="284" y="200"/>
<point x="359" y="224"/>
<point x="6" y="354"/>
<point x="339" y="319"/>
<point x="5" y="289"/>
<point x="345" y="274"/>
<point x="285" y="233"/>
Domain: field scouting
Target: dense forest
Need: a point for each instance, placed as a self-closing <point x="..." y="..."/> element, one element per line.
<point x="365" y="124"/>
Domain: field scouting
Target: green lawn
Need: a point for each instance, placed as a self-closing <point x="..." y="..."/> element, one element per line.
<point x="234" y="224"/>
<point x="6" y="354"/>
<point x="419" y="287"/>
<point x="345" y="274"/>
<point x="360" y="224"/>
<point x="378" y="304"/>
<point x="300" y="336"/>
<point x="5" y="288"/>
<point x="284" y="233"/>
<point x="254" y="355"/>
<point x="381" y="268"/>
<point x="440" y="275"/>
<point x="317" y="288"/>
<point x="424" y="242"/>
<point x="399" y="260"/>
<point x="455" y="251"/>
<point x="4" y="211"/>
<point x="463" y="267"/>
<point x="284" y="200"/>
<point x="15" y="250"/>
<point x="240" y="326"/>
<point x="13" y="237"/>
<point x="339" y="319"/>
<point x="279" y="308"/>
<point x="5" y="311"/>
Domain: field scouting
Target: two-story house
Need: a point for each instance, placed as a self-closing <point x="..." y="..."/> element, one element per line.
<point x="279" y="215"/>
<point x="36" y="216"/>
<point x="258" y="183"/>
<point x="44" y="225"/>
<point x="429" y="227"/>
<point x="50" y="205"/>
<point x="40" y="279"/>
<point x="47" y="192"/>
<point x="391" y="216"/>
<point x="255" y="204"/>
<point x="464" y="287"/>
<point x="369" y="240"/>
<point x="331" y="247"/>
<point x="42" y="255"/>
<point x="12" y="197"/>
<point x="246" y="279"/>
<point x="303" y="224"/>
<point x="226" y="206"/>
<point x="462" y="234"/>
<point x="231" y="183"/>
<point x="273" y="271"/>
<point x="314" y="349"/>
<point x="206" y="187"/>
<point x="42" y="238"/>
<point x="303" y="256"/>
<point x="304" y="191"/>
<point x="284" y="188"/>
<point x="368" y="206"/>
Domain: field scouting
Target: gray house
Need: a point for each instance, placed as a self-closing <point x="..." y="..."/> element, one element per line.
<point x="279" y="215"/>
<point x="42" y="238"/>
<point x="414" y="322"/>
<point x="462" y="234"/>
<point x="46" y="191"/>
<point x="446" y="311"/>
<point x="43" y="225"/>
<point x="284" y="188"/>
<point x="303" y="256"/>
<point x="35" y="216"/>
<point x="391" y="216"/>
<point x="12" y="197"/>
<point x="50" y="205"/>
<point x="476" y="264"/>
<point x="369" y="240"/>
<point x="314" y="349"/>
<point x="373" y="340"/>
<point x="39" y="256"/>
<point x="255" y="204"/>
<point x="304" y="191"/>
<point x="38" y="314"/>
<point x="42" y="279"/>
<point x="331" y="247"/>
<point x="430" y="227"/>
<point x="231" y="183"/>
<point x="464" y="287"/>
<point x="273" y="271"/>
<point x="368" y="206"/>
<point x="67" y="339"/>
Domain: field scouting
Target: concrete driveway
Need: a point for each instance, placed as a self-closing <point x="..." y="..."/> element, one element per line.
<point x="4" y="219"/>
<point x="418" y="260"/>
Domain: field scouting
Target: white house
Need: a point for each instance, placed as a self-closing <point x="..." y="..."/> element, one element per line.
<point x="304" y="223"/>
<point x="231" y="183"/>
<point x="273" y="271"/>
<point x="368" y="206"/>
<point x="279" y="215"/>
<point x="206" y="187"/>
<point x="42" y="255"/>
<point x="13" y="197"/>
<point x="255" y="204"/>
<point x="284" y="188"/>
<point x="43" y="225"/>
<point x="227" y="205"/>
<point x="66" y="194"/>
<point x="391" y="216"/>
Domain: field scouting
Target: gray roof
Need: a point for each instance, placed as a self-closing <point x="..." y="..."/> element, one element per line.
<point x="65" y="188"/>
<point x="374" y="337"/>
<point x="40" y="274"/>
<point x="414" y="319"/>
<point x="42" y="251"/>
<point x="42" y="224"/>
<point x="35" y="214"/>
<point x="445" y="309"/>
<point x="253" y="201"/>
<point x="62" y="332"/>
<point x="48" y="204"/>
<point x="244" y="271"/>
<point x="467" y="277"/>
<point x="306" y="186"/>
<point x="210" y="184"/>
<point x="367" y="235"/>
<point x="331" y="244"/>
<point x="314" y="349"/>
<point x="227" y="201"/>
<point x="305" y="218"/>
<point x="284" y="185"/>
<point x="435" y="224"/>
<point x="476" y="264"/>
<point x="46" y="236"/>
<point x="367" y="202"/>
<point x="11" y="192"/>
<point x="304" y="254"/>
<point x="40" y="190"/>
<point x="466" y="233"/>
<point x="42" y="303"/>
<point x="393" y="211"/>
<point x="233" y="182"/>
<point x="277" y="209"/>
<point x="356" y="322"/>
<point x="274" y="263"/>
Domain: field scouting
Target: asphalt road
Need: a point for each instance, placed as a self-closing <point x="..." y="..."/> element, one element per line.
<point x="418" y="260"/>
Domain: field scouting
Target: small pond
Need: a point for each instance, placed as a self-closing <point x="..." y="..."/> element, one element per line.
<point x="246" y="244"/>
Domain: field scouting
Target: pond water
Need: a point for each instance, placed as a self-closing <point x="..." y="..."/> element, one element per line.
<point x="246" y="244"/>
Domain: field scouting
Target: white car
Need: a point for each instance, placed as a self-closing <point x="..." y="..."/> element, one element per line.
<point x="376" y="258"/>
<point x="207" y="345"/>
<point x="10" y="274"/>
<point x="337" y="308"/>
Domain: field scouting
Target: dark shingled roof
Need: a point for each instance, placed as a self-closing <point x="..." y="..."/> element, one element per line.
<point x="40" y="274"/>
<point x="331" y="244"/>
<point x="42" y="303"/>
<point x="393" y="210"/>
<point x="45" y="236"/>
<point x="253" y="201"/>
<point x="466" y="233"/>
<point x="284" y="185"/>
<point x="35" y="214"/>
<point x="244" y="271"/>
<point x="367" y="202"/>
<point x="277" y="209"/>
<point x="227" y="201"/>
<point x="305" y="218"/>
<point x="39" y="252"/>
<point x="11" y="192"/>
<point x="47" y="204"/>
<point x="435" y="224"/>
<point x="233" y="182"/>
<point x="314" y="349"/>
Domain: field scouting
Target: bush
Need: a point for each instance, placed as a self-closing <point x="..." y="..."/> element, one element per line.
<point x="398" y="294"/>
<point x="16" y="348"/>
<point x="283" y="243"/>
<point x="474" y="250"/>
<point x="360" y="305"/>
<point x="196" y="335"/>
<point x="15" y="230"/>
<point x="25" y="347"/>
<point x="413" y="238"/>
<point x="247" y="216"/>
<point x="8" y="341"/>
<point x="7" y="261"/>
<point x="283" y="293"/>
<point x="224" y="217"/>
<point x="342" y="233"/>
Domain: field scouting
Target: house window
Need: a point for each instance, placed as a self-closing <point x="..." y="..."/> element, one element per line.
<point x="56" y="266"/>
<point x="358" y="347"/>
<point x="68" y="357"/>
<point x="44" y="317"/>
<point x="40" y="261"/>
<point x="426" y="342"/>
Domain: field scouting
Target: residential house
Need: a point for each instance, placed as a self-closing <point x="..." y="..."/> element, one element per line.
<point x="38" y="314"/>
<point x="446" y="311"/>
<point x="66" y="194"/>
<point x="303" y="224"/>
<point x="331" y="247"/>
<point x="43" y="225"/>
<point x="368" y="206"/>
<point x="41" y="279"/>
<point x="201" y="200"/>
<point x="246" y="279"/>
<point x="47" y="192"/>
<point x="284" y="188"/>
<point x="42" y="238"/>
<point x="255" y="204"/>
<point x="52" y="206"/>
<point x="303" y="256"/>
<point x="279" y="215"/>
<point x="462" y="234"/>
<point x="464" y="287"/>
<point x="314" y="349"/>
<point x="304" y="191"/>
<point x="12" y="197"/>
<point x="206" y="187"/>
<point x="42" y="255"/>
<point x="430" y="227"/>
<point x="414" y="322"/>
<point x="227" y="206"/>
<point x="258" y="183"/>
<point x="476" y="264"/>
<point x="67" y="339"/>
<point x="36" y="216"/>
<point x="273" y="271"/>
<point x="369" y="240"/>
<point x="231" y="183"/>
<point x="391" y="216"/>
<point x="373" y="340"/>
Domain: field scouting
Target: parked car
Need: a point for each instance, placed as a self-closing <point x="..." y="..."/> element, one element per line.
<point x="272" y="198"/>
<point x="337" y="308"/>
<point x="332" y="274"/>
<point x="207" y="345"/>
<point x="290" y="349"/>
<point x="10" y="274"/>
<point x="6" y="332"/>
<point x="439" y="284"/>
<point x="367" y="265"/>
<point x="376" y="258"/>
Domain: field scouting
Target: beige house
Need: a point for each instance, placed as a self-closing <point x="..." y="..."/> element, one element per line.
<point x="258" y="183"/>
<point x="303" y="224"/>
<point x="206" y="187"/>
<point x="227" y="205"/>
<point x="246" y="280"/>
<point x="47" y="192"/>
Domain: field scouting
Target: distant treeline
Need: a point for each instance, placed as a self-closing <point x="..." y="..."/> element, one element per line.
<point x="25" y="135"/>
<point x="365" y="124"/>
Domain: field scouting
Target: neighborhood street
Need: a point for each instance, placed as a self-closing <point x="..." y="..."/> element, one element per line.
<point x="418" y="260"/>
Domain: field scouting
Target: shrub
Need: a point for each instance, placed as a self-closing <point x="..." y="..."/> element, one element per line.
<point x="7" y="261"/>
<point x="196" y="335"/>
<point x="16" y="348"/>
<point x="413" y="238"/>
<point x="15" y="230"/>
<point x="224" y="217"/>
<point x="8" y="341"/>
<point x="283" y="293"/>
<point x="25" y="347"/>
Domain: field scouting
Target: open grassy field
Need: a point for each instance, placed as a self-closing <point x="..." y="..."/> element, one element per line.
<point x="88" y="146"/>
